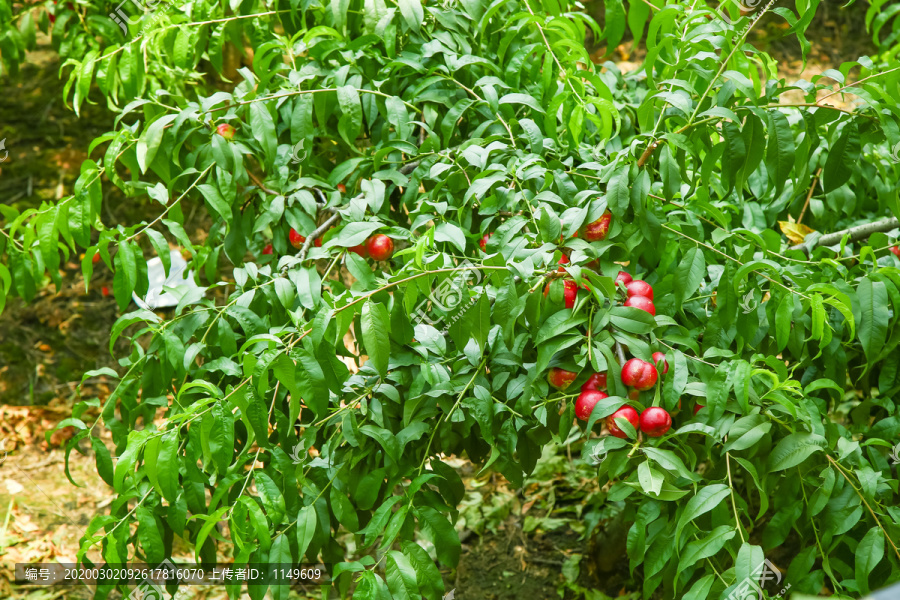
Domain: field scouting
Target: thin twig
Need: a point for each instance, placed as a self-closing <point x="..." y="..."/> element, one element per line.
<point x="861" y="497"/>
<point x="316" y="233"/>
<point x="809" y="196"/>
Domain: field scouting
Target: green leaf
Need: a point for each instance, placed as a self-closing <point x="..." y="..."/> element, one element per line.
<point x="264" y="129"/>
<point x="401" y="577"/>
<point x="632" y="320"/>
<point x="350" y="123"/>
<point x="149" y="142"/>
<point x="651" y="480"/>
<point x="843" y="156"/>
<point x="706" y="547"/>
<point x="375" y="322"/>
<point x="701" y="503"/>
<point x="869" y="553"/>
<point x="780" y="150"/>
<point x="270" y="495"/>
<point x="413" y="14"/>
<point x="690" y="273"/>
<point x="306" y="529"/>
<point x="794" y="449"/>
<point x="873" y="328"/>
<point x="441" y="533"/>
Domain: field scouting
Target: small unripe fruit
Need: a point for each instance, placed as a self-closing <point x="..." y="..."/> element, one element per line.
<point x="380" y="247"/>
<point x="586" y="402"/>
<point x="642" y="303"/>
<point x="599" y="229"/>
<point x="267" y="249"/>
<point x="639" y="374"/>
<point x="624" y="278"/>
<point x="637" y="287"/>
<point x="597" y="381"/>
<point x="626" y="412"/>
<point x="342" y="188"/>
<point x="484" y="240"/>
<point x="655" y="421"/>
<point x="225" y="130"/>
<point x="296" y="239"/>
<point x="560" y="378"/>
<point x="659" y="356"/>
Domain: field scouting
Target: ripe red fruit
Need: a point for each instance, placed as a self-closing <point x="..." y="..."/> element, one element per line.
<point x="570" y="292"/>
<point x="483" y="242"/>
<point x="639" y="374"/>
<point x="361" y="250"/>
<point x="296" y="239"/>
<point x="96" y="258"/>
<point x="597" y="381"/>
<point x="225" y="130"/>
<point x="624" y="277"/>
<point x="642" y="303"/>
<point x="697" y="408"/>
<point x="896" y="251"/>
<point x="586" y="402"/>
<point x="104" y="290"/>
<point x="639" y="288"/>
<point x="380" y="247"/>
<point x="342" y="188"/>
<point x="659" y="356"/>
<point x="318" y="242"/>
<point x="599" y="229"/>
<point x="267" y="249"/>
<point x="563" y="260"/>
<point x="560" y="378"/>
<point x="626" y="412"/>
<point x="655" y="421"/>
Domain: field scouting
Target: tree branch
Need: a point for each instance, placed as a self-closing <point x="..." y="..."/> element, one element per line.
<point x="856" y="233"/>
<point x="317" y="232"/>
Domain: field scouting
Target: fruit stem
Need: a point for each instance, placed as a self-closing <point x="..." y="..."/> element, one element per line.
<point x="634" y="447"/>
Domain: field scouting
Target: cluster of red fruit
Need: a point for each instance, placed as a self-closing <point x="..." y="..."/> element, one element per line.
<point x="639" y="293"/>
<point x="636" y="373"/>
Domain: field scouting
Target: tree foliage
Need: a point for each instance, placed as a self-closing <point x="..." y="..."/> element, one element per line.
<point x="308" y="402"/>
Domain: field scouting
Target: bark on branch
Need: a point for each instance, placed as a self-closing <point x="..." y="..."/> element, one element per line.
<point x="855" y="233"/>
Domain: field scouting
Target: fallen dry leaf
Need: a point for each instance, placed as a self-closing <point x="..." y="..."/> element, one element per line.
<point x="796" y="232"/>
